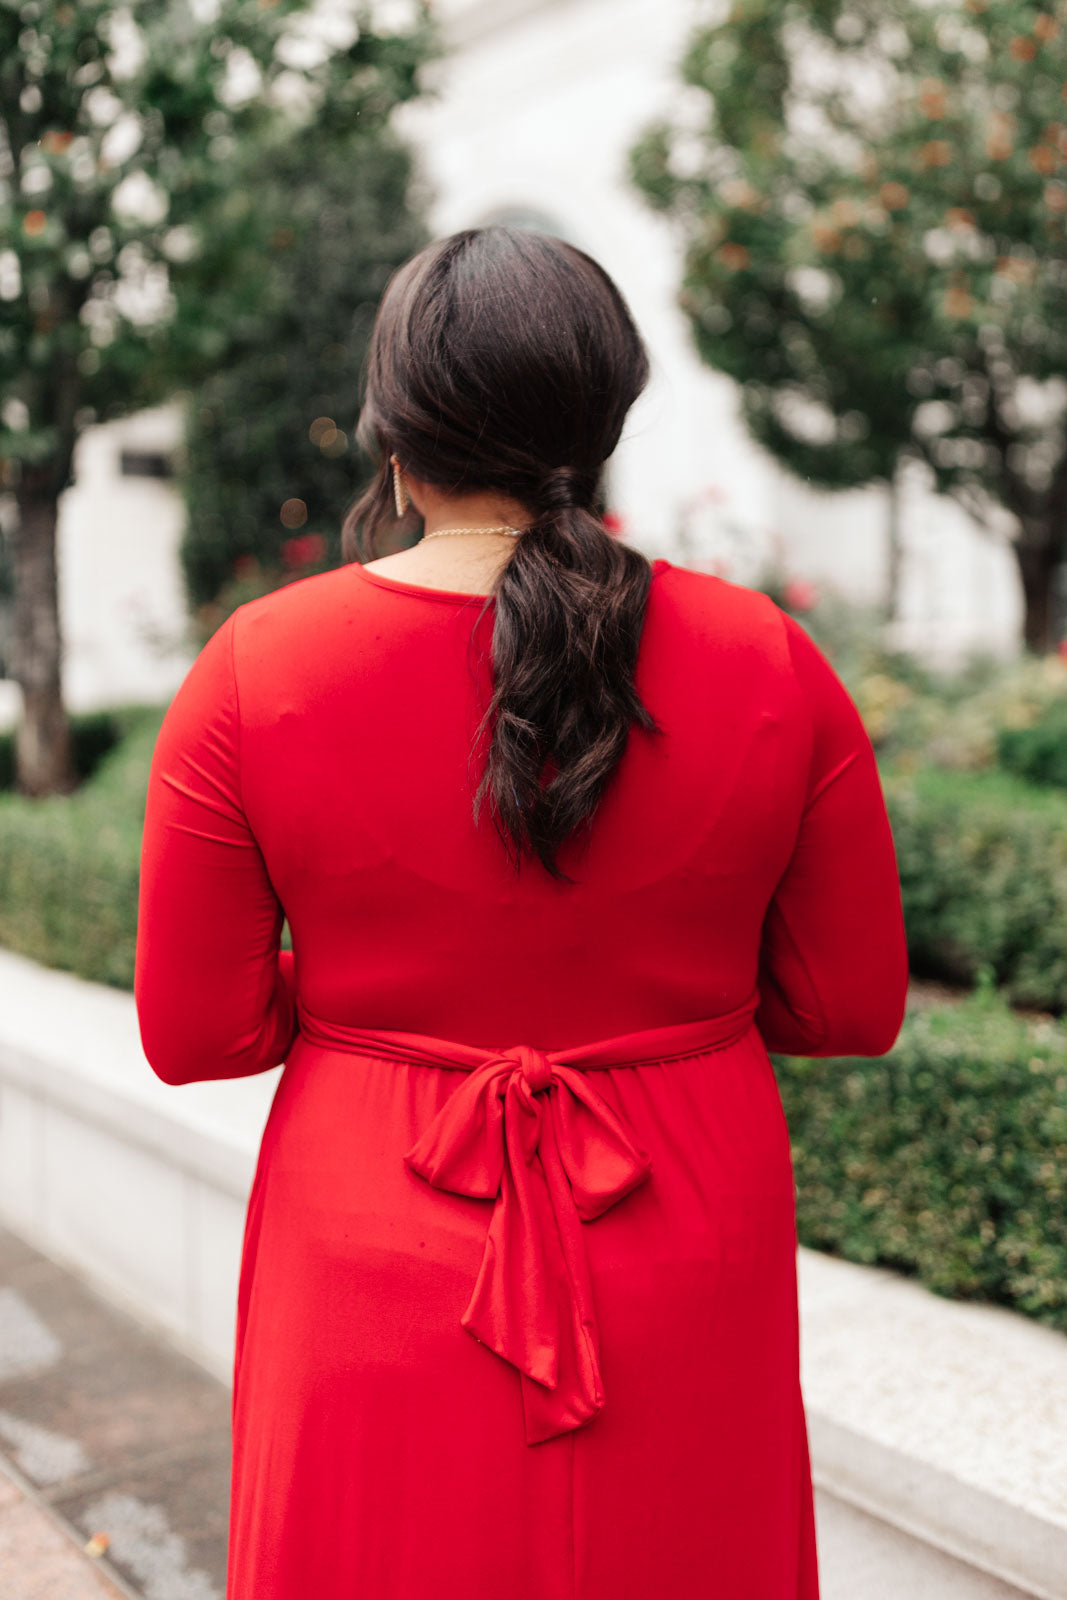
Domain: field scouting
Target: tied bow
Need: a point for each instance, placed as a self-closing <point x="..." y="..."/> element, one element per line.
<point x="532" y="1135"/>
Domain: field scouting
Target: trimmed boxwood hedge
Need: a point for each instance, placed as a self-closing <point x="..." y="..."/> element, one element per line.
<point x="946" y="1158"/>
<point x="69" y="866"/>
<point x="983" y="871"/>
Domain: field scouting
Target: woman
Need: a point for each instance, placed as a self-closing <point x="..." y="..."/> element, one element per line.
<point x="566" y="842"/>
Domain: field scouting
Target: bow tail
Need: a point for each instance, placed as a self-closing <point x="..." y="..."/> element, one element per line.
<point x="579" y="1392"/>
<point x="515" y="1308"/>
<point x="532" y="1302"/>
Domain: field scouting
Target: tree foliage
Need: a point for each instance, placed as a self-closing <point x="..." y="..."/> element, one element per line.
<point x="873" y="200"/>
<point x="270" y="461"/>
<point x="135" y="228"/>
<point x="134" y="223"/>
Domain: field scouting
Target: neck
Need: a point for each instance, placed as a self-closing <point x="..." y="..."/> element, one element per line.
<point x="480" y="511"/>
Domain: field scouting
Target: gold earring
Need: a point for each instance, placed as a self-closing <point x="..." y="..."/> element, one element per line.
<point x="400" y="493"/>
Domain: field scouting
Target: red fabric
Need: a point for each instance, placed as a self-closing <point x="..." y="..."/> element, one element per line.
<point x="540" y="1114"/>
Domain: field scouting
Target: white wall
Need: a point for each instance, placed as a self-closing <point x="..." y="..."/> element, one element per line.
<point x="122" y="609"/>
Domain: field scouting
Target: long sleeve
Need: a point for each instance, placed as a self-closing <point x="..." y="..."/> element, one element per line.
<point x="215" y="993"/>
<point x="833" y="964"/>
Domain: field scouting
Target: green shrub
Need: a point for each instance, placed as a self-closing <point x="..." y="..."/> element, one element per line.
<point x="983" y="873"/>
<point x="1038" y="752"/>
<point x="917" y="716"/>
<point x="946" y="1158"/>
<point x="69" y="864"/>
<point x="954" y="721"/>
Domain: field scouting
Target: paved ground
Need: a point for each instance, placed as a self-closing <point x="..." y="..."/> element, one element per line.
<point x="116" y="1433"/>
<point x="114" y="1465"/>
<point x="38" y="1558"/>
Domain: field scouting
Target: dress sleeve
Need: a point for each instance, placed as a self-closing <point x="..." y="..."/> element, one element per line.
<point x="833" y="972"/>
<point x="214" y="991"/>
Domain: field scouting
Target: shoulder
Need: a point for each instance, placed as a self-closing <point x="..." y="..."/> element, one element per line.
<point x="721" y="612"/>
<point x="297" y="611"/>
<point x="297" y="598"/>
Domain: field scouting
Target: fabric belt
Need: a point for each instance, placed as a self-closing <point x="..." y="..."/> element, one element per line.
<point x="526" y="1130"/>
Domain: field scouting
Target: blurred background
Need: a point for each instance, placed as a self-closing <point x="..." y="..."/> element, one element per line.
<point x="842" y="229"/>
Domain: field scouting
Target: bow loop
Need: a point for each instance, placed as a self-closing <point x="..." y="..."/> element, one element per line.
<point x="463" y="1148"/>
<point x="600" y="1158"/>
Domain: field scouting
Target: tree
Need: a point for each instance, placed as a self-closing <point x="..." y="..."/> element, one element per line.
<point x="270" y="462"/>
<point x="873" y="204"/>
<point x="133" y="235"/>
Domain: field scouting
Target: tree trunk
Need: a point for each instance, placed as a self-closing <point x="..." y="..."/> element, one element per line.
<point x="43" y="762"/>
<point x="1039" y="562"/>
<point x="894" y="548"/>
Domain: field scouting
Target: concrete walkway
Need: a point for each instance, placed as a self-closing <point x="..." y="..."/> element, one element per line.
<point x="38" y="1558"/>
<point x="111" y="1439"/>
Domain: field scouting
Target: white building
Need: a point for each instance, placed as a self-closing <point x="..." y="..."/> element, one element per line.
<point x="534" y="111"/>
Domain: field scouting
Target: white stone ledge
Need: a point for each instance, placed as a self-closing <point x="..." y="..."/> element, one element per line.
<point x="160" y="1132"/>
<point x="139" y="1185"/>
<point x="939" y="1509"/>
<point x="947" y="1420"/>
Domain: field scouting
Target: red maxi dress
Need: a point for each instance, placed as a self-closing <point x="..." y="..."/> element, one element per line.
<point x="517" y="1313"/>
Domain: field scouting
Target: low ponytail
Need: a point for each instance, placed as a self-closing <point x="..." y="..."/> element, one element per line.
<point x="496" y="353"/>
<point x="569" y="610"/>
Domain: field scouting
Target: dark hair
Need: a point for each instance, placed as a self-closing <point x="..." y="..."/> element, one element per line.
<point x="503" y="359"/>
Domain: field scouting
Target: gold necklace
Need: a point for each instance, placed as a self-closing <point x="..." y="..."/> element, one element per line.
<point x="439" y="533"/>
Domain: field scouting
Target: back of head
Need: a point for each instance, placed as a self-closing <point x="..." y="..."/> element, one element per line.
<point x="506" y="360"/>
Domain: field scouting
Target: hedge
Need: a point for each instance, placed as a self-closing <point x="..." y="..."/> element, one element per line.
<point x="69" y="866"/>
<point x="983" y="871"/>
<point x="1038" y="752"/>
<point x="946" y="1158"/>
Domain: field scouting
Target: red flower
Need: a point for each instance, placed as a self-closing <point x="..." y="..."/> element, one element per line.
<point x="614" y="523"/>
<point x="800" y="595"/>
<point x="304" y="550"/>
